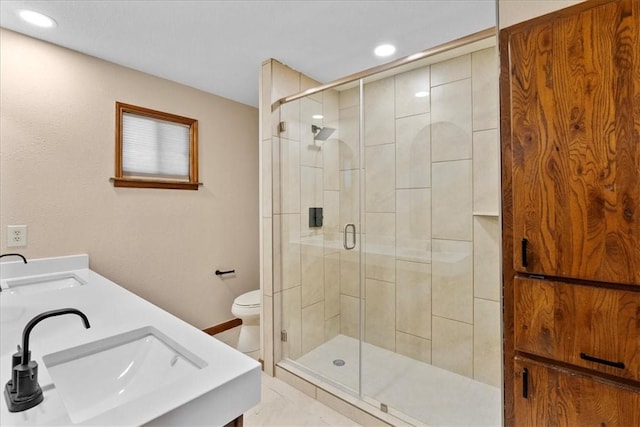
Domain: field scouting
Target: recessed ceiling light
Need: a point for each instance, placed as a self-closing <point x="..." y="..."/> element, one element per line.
<point x="317" y="117"/>
<point x="37" y="19"/>
<point x="385" y="50"/>
<point x="421" y="94"/>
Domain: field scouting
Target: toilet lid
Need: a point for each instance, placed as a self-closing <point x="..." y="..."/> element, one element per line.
<point x="250" y="299"/>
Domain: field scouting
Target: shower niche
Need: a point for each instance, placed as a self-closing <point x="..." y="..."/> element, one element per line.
<point x="394" y="299"/>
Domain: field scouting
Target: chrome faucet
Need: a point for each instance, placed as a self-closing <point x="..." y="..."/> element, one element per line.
<point x="22" y="391"/>
<point x="21" y="256"/>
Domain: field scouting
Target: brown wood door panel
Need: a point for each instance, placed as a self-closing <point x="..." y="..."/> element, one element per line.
<point x="558" y="397"/>
<point x="575" y="136"/>
<point x="576" y="323"/>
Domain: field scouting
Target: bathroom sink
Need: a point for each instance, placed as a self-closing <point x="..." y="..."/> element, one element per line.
<point x="43" y="283"/>
<point x="96" y="377"/>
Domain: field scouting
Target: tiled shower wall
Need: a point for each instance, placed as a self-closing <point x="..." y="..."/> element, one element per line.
<point x="310" y="255"/>
<point x="280" y="209"/>
<point x="430" y="232"/>
<point x="298" y="290"/>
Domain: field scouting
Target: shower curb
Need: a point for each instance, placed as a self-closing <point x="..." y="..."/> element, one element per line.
<point x="338" y="400"/>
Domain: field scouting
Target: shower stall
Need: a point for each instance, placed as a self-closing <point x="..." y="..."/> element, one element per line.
<point x="381" y="236"/>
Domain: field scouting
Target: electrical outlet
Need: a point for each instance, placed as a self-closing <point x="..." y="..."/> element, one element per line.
<point x="16" y="236"/>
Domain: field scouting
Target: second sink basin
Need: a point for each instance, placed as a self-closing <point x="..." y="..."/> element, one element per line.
<point x="44" y="283"/>
<point x="96" y="377"/>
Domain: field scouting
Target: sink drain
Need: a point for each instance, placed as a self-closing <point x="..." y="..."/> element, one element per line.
<point x="339" y="362"/>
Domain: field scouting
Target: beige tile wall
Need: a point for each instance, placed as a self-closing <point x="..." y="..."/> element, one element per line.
<point x="430" y="233"/>
<point x="301" y="265"/>
<point x="451" y="121"/>
<point x="380" y="166"/>
<point x="380" y="313"/>
<point x="413" y="299"/>
<point x="280" y="161"/>
<point x="380" y="246"/>
<point x="413" y="151"/>
<point x="379" y="101"/>
<point x="312" y="326"/>
<point x="487" y="358"/>
<point x="413" y="224"/>
<point x="452" y="207"/>
<point x="452" y="279"/>
<point x="349" y="164"/>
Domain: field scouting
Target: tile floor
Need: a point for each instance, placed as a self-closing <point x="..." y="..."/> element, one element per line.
<point x="282" y="405"/>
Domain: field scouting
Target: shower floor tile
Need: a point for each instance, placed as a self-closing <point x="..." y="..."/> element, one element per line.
<point x="421" y="391"/>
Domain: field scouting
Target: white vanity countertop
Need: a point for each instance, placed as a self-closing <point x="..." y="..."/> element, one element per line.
<point x="228" y="385"/>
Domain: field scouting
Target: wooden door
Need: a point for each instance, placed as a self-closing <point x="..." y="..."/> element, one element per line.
<point x="596" y="328"/>
<point x="548" y="396"/>
<point x="575" y="134"/>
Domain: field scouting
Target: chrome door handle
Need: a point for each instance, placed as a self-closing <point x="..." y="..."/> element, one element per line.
<point x="353" y="241"/>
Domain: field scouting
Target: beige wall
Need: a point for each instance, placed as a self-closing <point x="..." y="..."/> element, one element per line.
<point x="57" y="155"/>
<point x="514" y="11"/>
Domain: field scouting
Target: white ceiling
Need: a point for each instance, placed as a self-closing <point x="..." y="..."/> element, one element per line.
<point x="218" y="46"/>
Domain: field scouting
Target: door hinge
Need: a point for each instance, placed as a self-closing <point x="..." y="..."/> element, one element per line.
<point x="282" y="127"/>
<point x="283" y="336"/>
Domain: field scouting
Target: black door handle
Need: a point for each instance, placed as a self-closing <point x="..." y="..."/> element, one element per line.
<point x="618" y="365"/>
<point x="525" y="383"/>
<point x="525" y="242"/>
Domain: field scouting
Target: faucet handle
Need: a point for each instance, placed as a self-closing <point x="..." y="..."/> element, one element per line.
<point x="16" y="358"/>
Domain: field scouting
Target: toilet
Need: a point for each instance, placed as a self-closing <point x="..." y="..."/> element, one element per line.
<point x="247" y="308"/>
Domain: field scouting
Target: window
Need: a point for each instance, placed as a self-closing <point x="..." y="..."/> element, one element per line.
<point x="155" y="149"/>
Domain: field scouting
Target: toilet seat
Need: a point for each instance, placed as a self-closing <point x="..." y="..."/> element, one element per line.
<point x="248" y="300"/>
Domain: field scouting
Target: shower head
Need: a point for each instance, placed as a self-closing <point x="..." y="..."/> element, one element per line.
<point x="321" y="134"/>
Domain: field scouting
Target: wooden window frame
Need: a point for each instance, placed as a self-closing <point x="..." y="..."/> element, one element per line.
<point x="119" y="180"/>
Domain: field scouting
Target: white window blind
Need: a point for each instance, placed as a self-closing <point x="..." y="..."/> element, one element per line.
<point x="153" y="147"/>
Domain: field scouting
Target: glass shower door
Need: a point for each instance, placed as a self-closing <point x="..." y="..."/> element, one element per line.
<point x="318" y="224"/>
<point x="388" y="234"/>
<point x="431" y="284"/>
